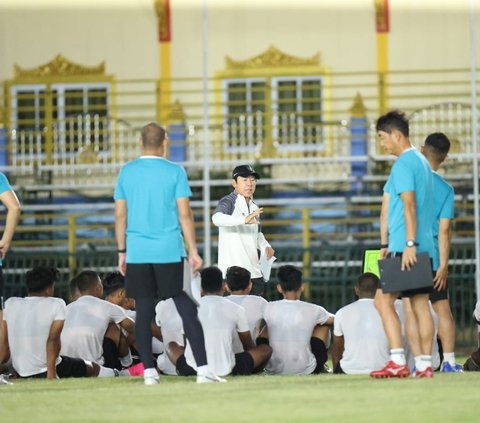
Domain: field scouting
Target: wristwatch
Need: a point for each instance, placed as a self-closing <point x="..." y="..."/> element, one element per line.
<point x="411" y="243"/>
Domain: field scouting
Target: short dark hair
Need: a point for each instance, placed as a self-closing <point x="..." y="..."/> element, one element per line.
<point x="86" y="280"/>
<point x="153" y="135"/>
<point x="437" y="145"/>
<point x="289" y="278"/>
<point x="212" y="279"/>
<point x="113" y="282"/>
<point x="40" y="278"/>
<point x="393" y="120"/>
<point x="237" y="278"/>
<point x="367" y="284"/>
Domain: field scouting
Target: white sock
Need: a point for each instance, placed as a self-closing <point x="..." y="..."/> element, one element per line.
<point x="449" y="357"/>
<point x="151" y="372"/>
<point x="203" y="370"/>
<point x="418" y="359"/>
<point x="106" y="372"/>
<point x="425" y="361"/>
<point x="397" y="355"/>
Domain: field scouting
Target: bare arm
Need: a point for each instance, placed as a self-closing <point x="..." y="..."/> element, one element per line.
<point x="53" y="348"/>
<point x="128" y="324"/>
<point x="384" y="224"/>
<point x="188" y="229"/>
<point x="11" y="203"/>
<point x="338" y="346"/>
<point x="444" y="242"/>
<point x="409" y="257"/>
<point x="246" y="340"/>
<point x="4" y="347"/>
<point x="120" y="232"/>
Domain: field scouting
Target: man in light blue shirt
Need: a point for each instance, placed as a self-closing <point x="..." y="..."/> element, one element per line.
<point x="435" y="149"/>
<point x="406" y="228"/>
<point x="152" y="210"/>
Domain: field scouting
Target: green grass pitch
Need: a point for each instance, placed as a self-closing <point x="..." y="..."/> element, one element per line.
<point x="262" y="399"/>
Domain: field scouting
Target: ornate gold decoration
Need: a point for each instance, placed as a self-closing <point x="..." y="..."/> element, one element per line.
<point x="60" y="66"/>
<point x="358" y="108"/>
<point x="272" y="57"/>
<point x="176" y="112"/>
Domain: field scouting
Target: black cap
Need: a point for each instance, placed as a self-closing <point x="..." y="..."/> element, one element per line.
<point x="244" y="170"/>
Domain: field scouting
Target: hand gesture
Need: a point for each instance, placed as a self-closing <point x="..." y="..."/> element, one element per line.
<point x="252" y="217"/>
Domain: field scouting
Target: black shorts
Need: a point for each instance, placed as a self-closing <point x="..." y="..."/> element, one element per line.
<point x="158" y="280"/>
<point x="412" y="292"/>
<point x="68" y="367"/>
<point x="183" y="369"/>
<point x="436" y="295"/>
<point x="243" y="364"/>
<point x="258" y="286"/>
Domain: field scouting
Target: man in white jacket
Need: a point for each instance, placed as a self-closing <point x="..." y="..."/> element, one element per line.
<point x="239" y="236"/>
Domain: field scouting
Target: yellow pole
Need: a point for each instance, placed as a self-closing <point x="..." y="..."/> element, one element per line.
<point x="383" y="28"/>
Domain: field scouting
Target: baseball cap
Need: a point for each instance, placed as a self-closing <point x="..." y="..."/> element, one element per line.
<point x="244" y="170"/>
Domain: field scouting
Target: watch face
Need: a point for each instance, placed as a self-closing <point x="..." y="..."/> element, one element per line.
<point x="410" y="243"/>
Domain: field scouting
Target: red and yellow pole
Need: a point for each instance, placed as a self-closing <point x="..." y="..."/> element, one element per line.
<point x="383" y="28"/>
<point x="164" y="101"/>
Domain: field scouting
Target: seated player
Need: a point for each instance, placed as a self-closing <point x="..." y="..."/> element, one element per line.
<point x="90" y="320"/>
<point x="221" y="319"/>
<point x="473" y="362"/>
<point x="32" y="330"/>
<point x="359" y="341"/>
<point x="170" y="323"/>
<point x="239" y="284"/>
<point x="297" y="331"/>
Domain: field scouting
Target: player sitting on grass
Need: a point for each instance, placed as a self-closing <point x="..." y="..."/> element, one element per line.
<point x="359" y="341"/>
<point x="297" y="331"/>
<point x="473" y="362"/>
<point x="221" y="319"/>
<point x="239" y="284"/>
<point x="31" y="335"/>
<point x="91" y="325"/>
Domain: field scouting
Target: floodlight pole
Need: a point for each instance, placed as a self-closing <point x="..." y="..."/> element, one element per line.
<point x="474" y="113"/>
<point x="206" y="139"/>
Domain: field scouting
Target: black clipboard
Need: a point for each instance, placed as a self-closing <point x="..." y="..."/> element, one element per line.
<point x="394" y="279"/>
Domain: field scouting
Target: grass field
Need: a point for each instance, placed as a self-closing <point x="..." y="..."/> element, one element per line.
<point x="262" y="399"/>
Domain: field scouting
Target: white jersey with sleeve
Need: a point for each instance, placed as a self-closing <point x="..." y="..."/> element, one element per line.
<point x="220" y="319"/>
<point x="170" y="323"/>
<point x="254" y="307"/>
<point x="476" y="314"/>
<point x="238" y="241"/>
<point x="29" y="321"/>
<point x="365" y="342"/>
<point x="290" y="326"/>
<point x="86" y="322"/>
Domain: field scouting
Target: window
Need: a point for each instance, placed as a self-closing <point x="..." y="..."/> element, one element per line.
<point x="297" y="117"/>
<point x="79" y="111"/>
<point x="296" y="123"/>
<point x="245" y="114"/>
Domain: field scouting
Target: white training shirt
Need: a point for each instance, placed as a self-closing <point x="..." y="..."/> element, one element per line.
<point x="29" y="321"/>
<point x="86" y="322"/>
<point x="366" y="345"/>
<point x="238" y="241"/>
<point x="290" y="327"/>
<point x="220" y="319"/>
<point x="170" y="323"/>
<point x="254" y="307"/>
<point x="476" y="314"/>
